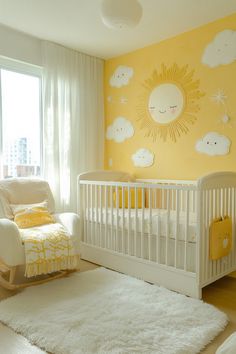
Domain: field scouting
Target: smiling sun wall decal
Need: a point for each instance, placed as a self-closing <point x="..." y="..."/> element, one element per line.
<point x="169" y="104"/>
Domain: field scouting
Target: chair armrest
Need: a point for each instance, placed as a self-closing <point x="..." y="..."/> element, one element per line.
<point x="10" y="243"/>
<point x="71" y="222"/>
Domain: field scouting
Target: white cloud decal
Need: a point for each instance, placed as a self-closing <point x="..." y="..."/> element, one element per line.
<point x="121" y="76"/>
<point x="120" y="130"/>
<point x="143" y="158"/>
<point x="222" y="50"/>
<point x="213" y="144"/>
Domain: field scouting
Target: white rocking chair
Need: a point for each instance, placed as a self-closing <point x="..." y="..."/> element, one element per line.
<point x="12" y="253"/>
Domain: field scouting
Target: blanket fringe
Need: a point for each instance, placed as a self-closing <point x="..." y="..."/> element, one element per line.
<point x="51" y="266"/>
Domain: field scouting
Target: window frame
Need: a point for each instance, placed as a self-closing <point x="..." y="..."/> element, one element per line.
<point x="27" y="69"/>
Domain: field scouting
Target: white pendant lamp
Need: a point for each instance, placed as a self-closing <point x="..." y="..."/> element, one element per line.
<point x="121" y="14"/>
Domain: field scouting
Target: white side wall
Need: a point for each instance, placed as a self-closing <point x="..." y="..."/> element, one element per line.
<point x="17" y="45"/>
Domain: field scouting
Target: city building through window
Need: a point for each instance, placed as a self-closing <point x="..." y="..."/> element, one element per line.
<point x="20" y="124"/>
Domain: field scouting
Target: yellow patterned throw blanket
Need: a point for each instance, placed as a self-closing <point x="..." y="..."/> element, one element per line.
<point x="48" y="248"/>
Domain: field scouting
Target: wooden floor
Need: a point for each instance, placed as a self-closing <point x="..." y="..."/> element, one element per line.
<point x="220" y="294"/>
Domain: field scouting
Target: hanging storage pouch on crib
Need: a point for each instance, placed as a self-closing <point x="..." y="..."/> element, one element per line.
<point x="220" y="237"/>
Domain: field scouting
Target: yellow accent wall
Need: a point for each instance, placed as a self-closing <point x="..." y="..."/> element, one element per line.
<point x="174" y="160"/>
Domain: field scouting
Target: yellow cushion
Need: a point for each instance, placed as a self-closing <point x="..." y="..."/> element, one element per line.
<point x="32" y="215"/>
<point x="132" y="198"/>
<point x="220" y="237"/>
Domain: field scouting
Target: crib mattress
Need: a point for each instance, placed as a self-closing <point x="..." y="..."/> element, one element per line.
<point x="157" y="223"/>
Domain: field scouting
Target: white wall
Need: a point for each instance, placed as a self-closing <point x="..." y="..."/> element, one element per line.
<point x="20" y="46"/>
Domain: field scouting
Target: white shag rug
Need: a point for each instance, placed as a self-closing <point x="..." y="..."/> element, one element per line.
<point x="101" y="311"/>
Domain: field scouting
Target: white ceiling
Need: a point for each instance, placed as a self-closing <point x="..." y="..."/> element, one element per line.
<point x="77" y="23"/>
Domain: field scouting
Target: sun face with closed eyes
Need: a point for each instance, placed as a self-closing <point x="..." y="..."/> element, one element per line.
<point x="169" y="104"/>
<point x="166" y="103"/>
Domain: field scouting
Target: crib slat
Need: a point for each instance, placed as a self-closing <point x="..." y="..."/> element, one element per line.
<point x="112" y="220"/>
<point x="221" y="202"/>
<point x="226" y="260"/>
<point x="96" y="215"/>
<point x="219" y="261"/>
<point x="186" y="230"/>
<point x="155" y="198"/>
<point x="101" y="216"/>
<point x="181" y="199"/>
<point x="135" y="224"/>
<point x="117" y="219"/>
<point x="193" y="202"/>
<point x="214" y="263"/>
<point x="172" y="200"/>
<point x="234" y="222"/>
<point x="88" y="212"/>
<point x="142" y="225"/>
<point x="129" y="226"/>
<point x="229" y="195"/>
<point x="206" y="228"/>
<point x="150" y="223"/>
<point x="163" y="198"/>
<point x="208" y="212"/>
<point x="92" y="215"/>
<point x="158" y="236"/>
<point x="178" y="205"/>
<point x="225" y="201"/>
<point x="85" y="212"/>
<point x="123" y="220"/>
<point x="203" y="255"/>
<point x="223" y="213"/>
<point x="210" y="220"/>
<point x="167" y="224"/>
<point x="105" y="198"/>
<point x="230" y="215"/>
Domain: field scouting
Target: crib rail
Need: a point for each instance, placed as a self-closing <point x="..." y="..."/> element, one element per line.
<point x="152" y="221"/>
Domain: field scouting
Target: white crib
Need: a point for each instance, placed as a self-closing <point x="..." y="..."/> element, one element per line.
<point x="156" y="230"/>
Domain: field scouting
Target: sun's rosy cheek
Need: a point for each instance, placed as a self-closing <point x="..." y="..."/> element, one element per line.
<point x="173" y="109"/>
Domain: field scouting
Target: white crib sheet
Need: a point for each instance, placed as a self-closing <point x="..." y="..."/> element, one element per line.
<point x="156" y="223"/>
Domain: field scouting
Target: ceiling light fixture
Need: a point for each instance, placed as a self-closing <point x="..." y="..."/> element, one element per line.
<point x="121" y="14"/>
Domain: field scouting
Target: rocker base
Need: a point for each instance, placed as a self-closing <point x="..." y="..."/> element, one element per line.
<point x="7" y="281"/>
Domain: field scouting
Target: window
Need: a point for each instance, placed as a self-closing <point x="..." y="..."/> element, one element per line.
<point x="20" y="103"/>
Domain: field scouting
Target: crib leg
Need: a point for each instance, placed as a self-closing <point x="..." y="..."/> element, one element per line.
<point x="198" y="293"/>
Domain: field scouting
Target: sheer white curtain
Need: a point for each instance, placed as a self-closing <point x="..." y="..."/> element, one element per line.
<point x="73" y="122"/>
